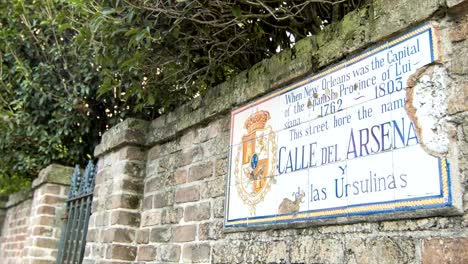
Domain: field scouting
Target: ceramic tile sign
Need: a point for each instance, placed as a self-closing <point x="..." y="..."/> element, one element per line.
<point x="337" y="143"/>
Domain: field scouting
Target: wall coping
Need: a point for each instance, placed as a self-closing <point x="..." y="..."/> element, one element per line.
<point x="54" y="173"/>
<point x="355" y="32"/>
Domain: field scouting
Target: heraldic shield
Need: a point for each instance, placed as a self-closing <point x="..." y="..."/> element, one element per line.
<point x="257" y="152"/>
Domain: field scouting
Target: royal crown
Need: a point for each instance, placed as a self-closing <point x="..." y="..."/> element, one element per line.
<point x="257" y="121"/>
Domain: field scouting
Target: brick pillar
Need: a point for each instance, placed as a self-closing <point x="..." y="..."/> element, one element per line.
<point x="117" y="195"/>
<point x="47" y="211"/>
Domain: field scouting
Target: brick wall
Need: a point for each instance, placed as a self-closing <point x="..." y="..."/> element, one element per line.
<point x="159" y="195"/>
<point x="32" y="224"/>
<point x="15" y="231"/>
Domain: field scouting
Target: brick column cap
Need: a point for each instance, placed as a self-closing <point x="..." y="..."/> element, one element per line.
<point x="132" y="131"/>
<point x="54" y="173"/>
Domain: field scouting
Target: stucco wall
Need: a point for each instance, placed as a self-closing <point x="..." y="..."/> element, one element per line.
<point x="160" y="186"/>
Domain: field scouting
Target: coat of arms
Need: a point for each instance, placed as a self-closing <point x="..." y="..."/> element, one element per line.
<point x="256" y="160"/>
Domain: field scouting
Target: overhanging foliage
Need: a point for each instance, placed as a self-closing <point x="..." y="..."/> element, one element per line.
<point x="69" y="70"/>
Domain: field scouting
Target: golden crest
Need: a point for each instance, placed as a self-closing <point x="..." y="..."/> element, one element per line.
<point x="255" y="158"/>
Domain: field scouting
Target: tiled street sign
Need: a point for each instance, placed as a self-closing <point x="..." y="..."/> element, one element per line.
<point x="338" y="143"/>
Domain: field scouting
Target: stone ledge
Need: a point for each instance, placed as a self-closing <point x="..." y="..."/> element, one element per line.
<point x="357" y="31"/>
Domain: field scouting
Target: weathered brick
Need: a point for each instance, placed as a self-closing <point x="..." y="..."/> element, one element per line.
<point x="125" y="201"/>
<point x="200" y="171"/>
<point x="130" y="185"/>
<point x="180" y="176"/>
<point x="216" y="146"/>
<point x="168" y="162"/>
<point x="458" y="64"/>
<point x="221" y="167"/>
<point x="460" y="31"/>
<point x="171" y="147"/>
<point x="457" y="103"/>
<point x="154" y="152"/>
<point x="153" y="184"/>
<point x="163" y="199"/>
<point x="92" y="235"/>
<point x="210" y="131"/>
<point x="121" y="252"/>
<point x="150" y="218"/>
<point x="118" y="235"/>
<point x="445" y="250"/>
<point x="172" y="215"/>
<point x="52" y="199"/>
<point x="368" y="250"/>
<point x="131" y="153"/>
<point x="211" y="231"/>
<point x="196" y="253"/>
<point x="102" y="176"/>
<point x="98" y="250"/>
<point x="38" y="252"/>
<point x="125" y="218"/>
<point x="197" y="212"/>
<point x="44" y="231"/>
<point x="184" y="233"/>
<point x="169" y="253"/>
<point x="218" y="207"/>
<point x="142" y="236"/>
<point x="160" y="234"/>
<point x="187" y="140"/>
<point x="46" y="210"/>
<point x="54" y="253"/>
<point x="43" y="220"/>
<point x="187" y="194"/>
<point x="43" y="242"/>
<point x="101" y="219"/>
<point x="146" y="253"/>
<point x="190" y="156"/>
<point x="148" y="202"/>
<point x="213" y="188"/>
<point x="223" y="253"/>
<point x="129" y="169"/>
<point x="50" y="189"/>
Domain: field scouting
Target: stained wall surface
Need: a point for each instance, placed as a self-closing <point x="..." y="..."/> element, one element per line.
<point x="160" y="186"/>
